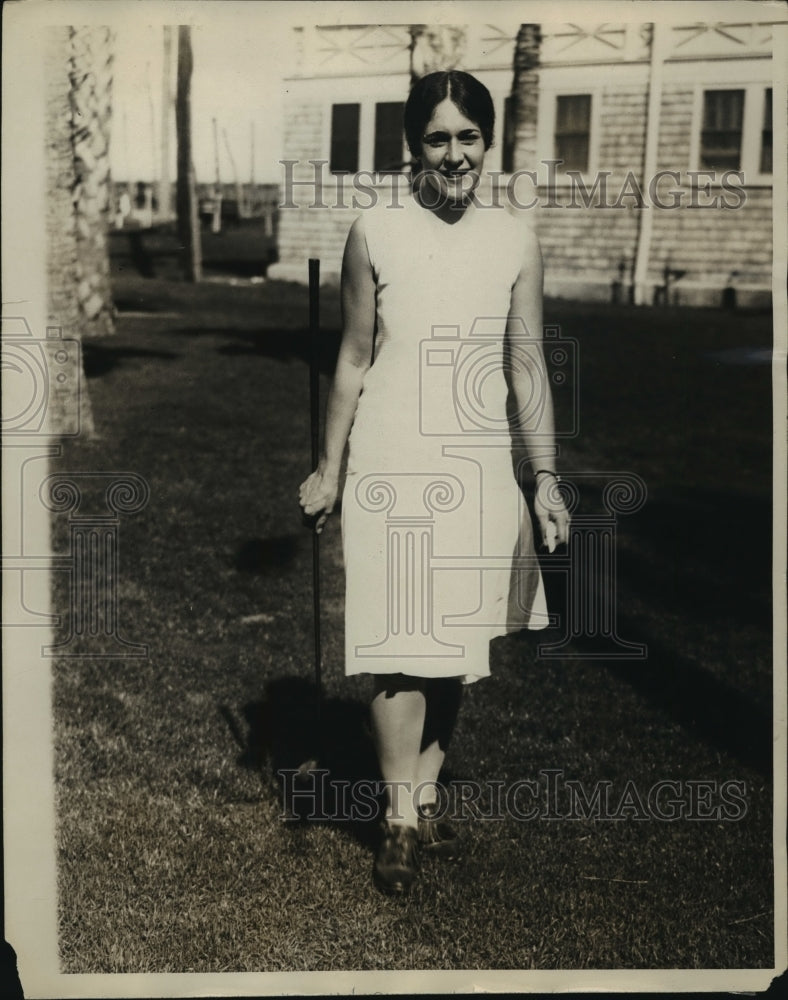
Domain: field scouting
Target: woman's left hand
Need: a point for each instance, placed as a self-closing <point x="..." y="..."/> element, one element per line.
<point x="551" y="513"/>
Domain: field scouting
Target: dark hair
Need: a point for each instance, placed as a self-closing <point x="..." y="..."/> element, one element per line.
<point x="470" y="96"/>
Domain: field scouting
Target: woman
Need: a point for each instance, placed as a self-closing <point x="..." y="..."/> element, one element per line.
<point x="444" y="295"/>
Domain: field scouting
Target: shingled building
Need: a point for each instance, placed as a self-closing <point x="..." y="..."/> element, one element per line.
<point x="642" y="153"/>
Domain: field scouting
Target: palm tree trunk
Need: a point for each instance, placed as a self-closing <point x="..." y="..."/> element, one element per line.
<point x="188" y="222"/>
<point x="525" y="94"/>
<point x="435" y="47"/>
<point x="69" y="404"/>
<point x="90" y="74"/>
<point x="165" y="185"/>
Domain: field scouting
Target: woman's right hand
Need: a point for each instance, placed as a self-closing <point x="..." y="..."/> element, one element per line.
<point x="317" y="496"/>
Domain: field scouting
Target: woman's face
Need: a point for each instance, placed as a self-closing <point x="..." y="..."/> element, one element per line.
<point x="452" y="152"/>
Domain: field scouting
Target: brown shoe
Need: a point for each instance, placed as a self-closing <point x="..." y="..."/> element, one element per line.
<point x="436" y="836"/>
<point x="397" y="860"/>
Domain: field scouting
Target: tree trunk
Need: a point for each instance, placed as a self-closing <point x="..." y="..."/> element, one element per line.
<point x="434" y="48"/>
<point x="525" y="95"/>
<point x="69" y="404"/>
<point x="188" y="222"/>
<point x="90" y="75"/>
<point x="165" y="185"/>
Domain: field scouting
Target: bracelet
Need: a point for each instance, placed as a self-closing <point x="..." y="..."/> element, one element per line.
<point x="547" y="472"/>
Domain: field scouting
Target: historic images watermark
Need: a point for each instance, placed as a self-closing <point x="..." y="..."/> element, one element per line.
<point x="667" y="190"/>
<point x="42" y="388"/>
<point x="547" y="796"/>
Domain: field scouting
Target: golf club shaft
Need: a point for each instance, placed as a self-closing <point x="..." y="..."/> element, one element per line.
<point x="314" y="409"/>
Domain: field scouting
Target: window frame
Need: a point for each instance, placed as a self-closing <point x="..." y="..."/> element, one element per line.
<point x="366" y="127"/>
<point x="403" y="151"/>
<point x="545" y="137"/>
<point x="587" y="134"/>
<point x="344" y="104"/>
<point x="717" y="149"/>
<point x="751" y="135"/>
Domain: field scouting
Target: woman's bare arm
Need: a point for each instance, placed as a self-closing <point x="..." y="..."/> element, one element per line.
<point x="318" y="492"/>
<point x="531" y="385"/>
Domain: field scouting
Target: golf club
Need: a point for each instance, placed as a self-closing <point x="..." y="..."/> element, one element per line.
<point x="314" y="414"/>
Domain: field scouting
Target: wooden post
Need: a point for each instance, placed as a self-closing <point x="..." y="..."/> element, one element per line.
<point x="659" y="35"/>
<point x="154" y="167"/>
<point x="250" y="205"/>
<point x="126" y="160"/>
<point x="239" y="195"/>
<point x="165" y="179"/>
<point x="216" y="221"/>
<point x="188" y="222"/>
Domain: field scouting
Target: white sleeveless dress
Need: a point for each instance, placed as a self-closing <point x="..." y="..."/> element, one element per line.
<point x="431" y="511"/>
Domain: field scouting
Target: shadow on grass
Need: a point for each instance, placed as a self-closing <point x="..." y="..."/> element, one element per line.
<point x="698" y="560"/>
<point x="273" y="342"/>
<point x="100" y="359"/>
<point x="308" y="756"/>
<point x="700" y="702"/>
<point x="267" y="555"/>
<point x="705" y="555"/>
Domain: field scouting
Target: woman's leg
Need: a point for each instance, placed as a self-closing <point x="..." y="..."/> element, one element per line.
<point x="442" y="697"/>
<point x="398" y="715"/>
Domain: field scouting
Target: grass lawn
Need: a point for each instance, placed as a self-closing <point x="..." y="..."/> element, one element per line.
<point x="173" y="853"/>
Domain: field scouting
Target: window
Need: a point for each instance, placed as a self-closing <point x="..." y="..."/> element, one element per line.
<point x="573" y="131"/>
<point x="732" y="129"/>
<point x="766" y="133"/>
<point x="720" y="140"/>
<point x="388" y="137"/>
<point x="509" y="135"/>
<point x="344" y="137"/>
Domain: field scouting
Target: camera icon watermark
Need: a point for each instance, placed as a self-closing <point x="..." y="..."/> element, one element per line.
<point x="36" y="371"/>
<point x="465" y="382"/>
